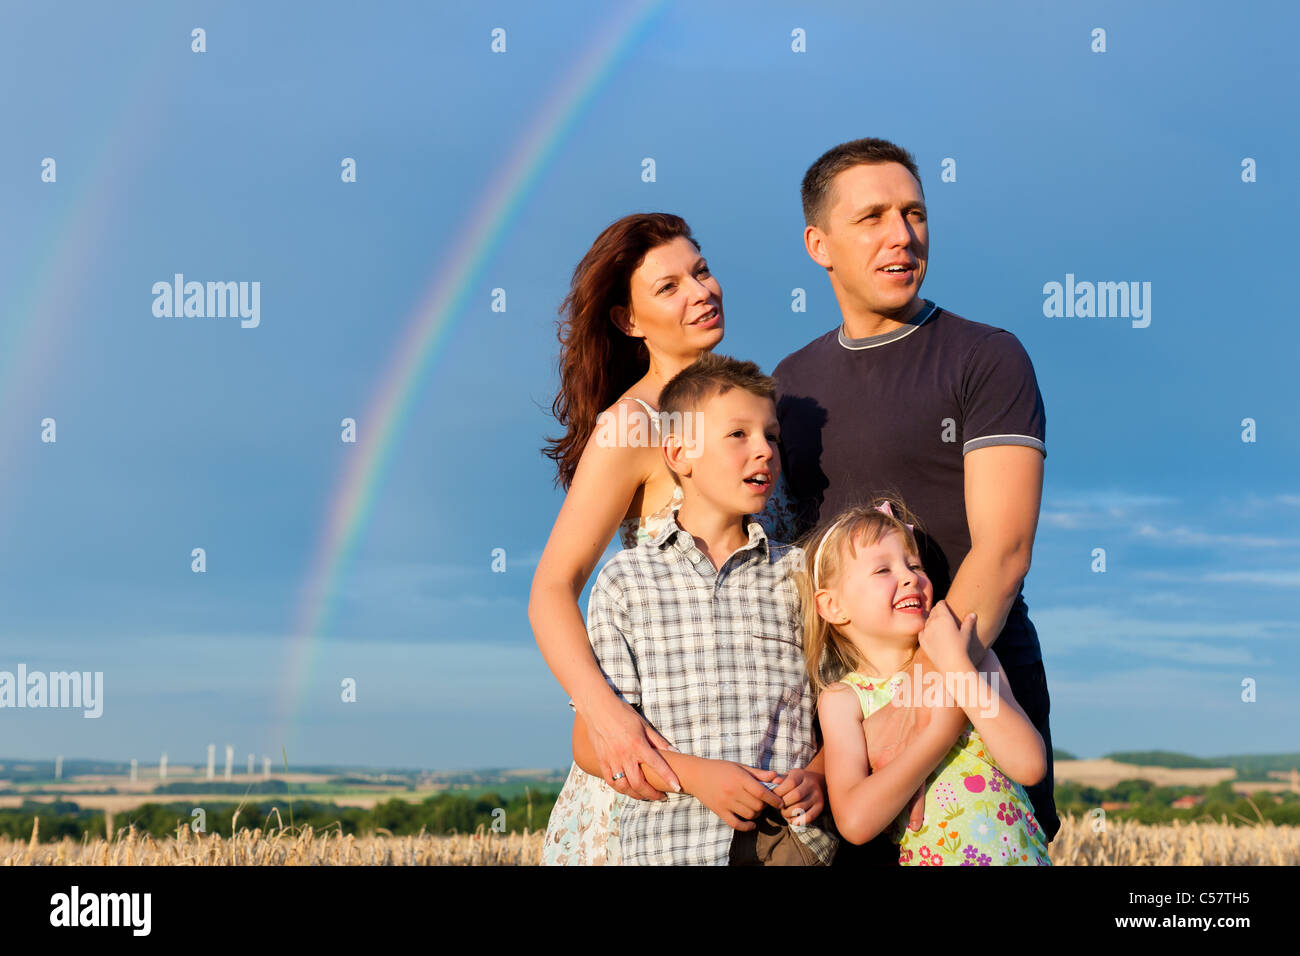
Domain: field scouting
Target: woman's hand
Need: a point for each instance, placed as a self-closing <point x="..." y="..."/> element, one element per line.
<point x="623" y="741"/>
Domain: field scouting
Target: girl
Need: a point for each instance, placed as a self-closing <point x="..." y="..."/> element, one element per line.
<point x="642" y="305"/>
<point x="870" y="636"/>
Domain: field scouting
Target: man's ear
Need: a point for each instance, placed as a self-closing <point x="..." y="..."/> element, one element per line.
<point x="675" y="456"/>
<point x="624" y="322"/>
<point x="829" y="608"/>
<point x="814" y="240"/>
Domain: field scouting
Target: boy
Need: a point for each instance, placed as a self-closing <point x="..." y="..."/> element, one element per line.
<point x="699" y="628"/>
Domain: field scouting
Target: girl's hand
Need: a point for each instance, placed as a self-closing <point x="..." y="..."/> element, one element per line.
<point x="803" y="793"/>
<point x="943" y="643"/>
<point x="623" y="741"/>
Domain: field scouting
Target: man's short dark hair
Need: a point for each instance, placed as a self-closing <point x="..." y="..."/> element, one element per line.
<point x="817" y="182"/>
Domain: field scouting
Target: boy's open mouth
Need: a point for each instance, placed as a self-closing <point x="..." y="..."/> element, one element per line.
<point x="760" y="480"/>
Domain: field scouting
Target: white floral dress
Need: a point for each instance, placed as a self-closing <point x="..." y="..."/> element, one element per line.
<point x="583" y="829"/>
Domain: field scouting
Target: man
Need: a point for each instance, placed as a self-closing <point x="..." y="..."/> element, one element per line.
<point x="908" y="398"/>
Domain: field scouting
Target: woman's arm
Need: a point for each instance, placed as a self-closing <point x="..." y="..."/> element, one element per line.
<point x="607" y="480"/>
<point x="863" y="804"/>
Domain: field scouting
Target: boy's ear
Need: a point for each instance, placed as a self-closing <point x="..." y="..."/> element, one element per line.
<point x="675" y="456"/>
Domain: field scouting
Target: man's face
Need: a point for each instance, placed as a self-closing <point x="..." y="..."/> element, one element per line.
<point x="876" y="219"/>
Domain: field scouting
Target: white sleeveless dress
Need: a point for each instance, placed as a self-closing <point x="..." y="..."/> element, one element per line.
<point x="583" y="829"/>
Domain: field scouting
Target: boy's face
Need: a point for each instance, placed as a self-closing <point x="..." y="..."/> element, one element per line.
<point x="734" y="464"/>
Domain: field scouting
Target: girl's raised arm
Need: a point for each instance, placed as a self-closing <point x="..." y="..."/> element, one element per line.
<point x="1014" y="743"/>
<point x="608" y="478"/>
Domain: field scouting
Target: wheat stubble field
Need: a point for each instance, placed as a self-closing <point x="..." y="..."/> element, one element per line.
<point x="1121" y="844"/>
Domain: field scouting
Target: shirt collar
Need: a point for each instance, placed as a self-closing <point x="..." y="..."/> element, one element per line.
<point x="673" y="533"/>
<point x="884" y="338"/>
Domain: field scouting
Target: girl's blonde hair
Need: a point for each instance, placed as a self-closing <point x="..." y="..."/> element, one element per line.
<point x="828" y="654"/>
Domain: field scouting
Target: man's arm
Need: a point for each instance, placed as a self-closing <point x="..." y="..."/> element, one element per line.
<point x="1004" y="489"/>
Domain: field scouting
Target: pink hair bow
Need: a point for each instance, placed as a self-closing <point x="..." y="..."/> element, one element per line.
<point x="886" y="509"/>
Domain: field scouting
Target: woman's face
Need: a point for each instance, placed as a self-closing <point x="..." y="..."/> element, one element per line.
<point x="676" y="303"/>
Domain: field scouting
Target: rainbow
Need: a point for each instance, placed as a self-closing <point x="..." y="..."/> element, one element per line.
<point x="415" y="353"/>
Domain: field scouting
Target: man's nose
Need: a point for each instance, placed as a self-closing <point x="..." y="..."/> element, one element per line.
<point x="900" y="232"/>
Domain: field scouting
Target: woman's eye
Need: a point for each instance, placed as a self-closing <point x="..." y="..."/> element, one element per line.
<point x="703" y="271"/>
<point x="670" y="285"/>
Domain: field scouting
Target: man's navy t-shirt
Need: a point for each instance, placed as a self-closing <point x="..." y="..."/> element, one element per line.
<point x="897" y="413"/>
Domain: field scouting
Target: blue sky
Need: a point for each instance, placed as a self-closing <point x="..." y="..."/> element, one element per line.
<point x="176" y="433"/>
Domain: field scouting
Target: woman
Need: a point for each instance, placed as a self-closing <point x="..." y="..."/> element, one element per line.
<point x="642" y="306"/>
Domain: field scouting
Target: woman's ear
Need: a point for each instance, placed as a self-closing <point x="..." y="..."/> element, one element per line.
<point x="624" y="322"/>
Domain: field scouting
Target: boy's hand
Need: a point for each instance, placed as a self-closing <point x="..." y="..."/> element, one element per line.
<point x="733" y="791"/>
<point x="943" y="642"/>
<point x="803" y="793"/>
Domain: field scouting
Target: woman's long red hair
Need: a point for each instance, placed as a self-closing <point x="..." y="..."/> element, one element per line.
<point x="598" y="363"/>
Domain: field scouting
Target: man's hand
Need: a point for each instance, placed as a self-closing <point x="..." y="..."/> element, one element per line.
<point x="733" y="791"/>
<point x="803" y="794"/>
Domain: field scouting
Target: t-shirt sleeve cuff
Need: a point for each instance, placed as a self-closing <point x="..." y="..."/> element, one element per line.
<point x="1029" y="441"/>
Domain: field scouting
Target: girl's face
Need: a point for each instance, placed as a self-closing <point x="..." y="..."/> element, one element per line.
<point x="676" y="302"/>
<point x="883" y="592"/>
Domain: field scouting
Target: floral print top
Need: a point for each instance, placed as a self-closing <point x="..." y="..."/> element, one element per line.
<point x="974" y="814"/>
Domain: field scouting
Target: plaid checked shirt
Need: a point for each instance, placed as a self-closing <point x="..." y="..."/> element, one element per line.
<point x="714" y="660"/>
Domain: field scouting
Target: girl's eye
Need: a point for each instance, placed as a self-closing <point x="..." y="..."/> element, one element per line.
<point x="737" y="432"/>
